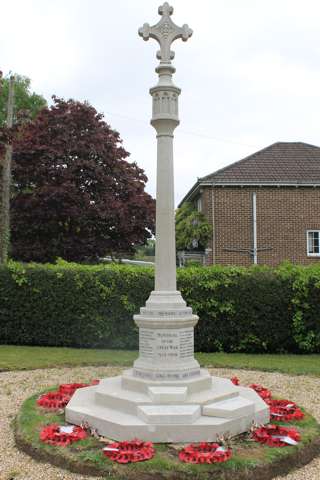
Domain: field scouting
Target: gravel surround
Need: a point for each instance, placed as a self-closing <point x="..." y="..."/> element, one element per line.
<point x="16" y="386"/>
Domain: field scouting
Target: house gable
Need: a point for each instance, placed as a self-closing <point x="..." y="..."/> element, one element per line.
<point x="284" y="179"/>
<point x="282" y="163"/>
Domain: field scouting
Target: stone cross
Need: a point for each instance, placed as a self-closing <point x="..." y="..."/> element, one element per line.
<point x="166" y="323"/>
<point x="165" y="32"/>
<point x="165" y="397"/>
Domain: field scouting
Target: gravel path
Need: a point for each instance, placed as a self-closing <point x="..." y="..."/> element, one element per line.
<point x="15" y="387"/>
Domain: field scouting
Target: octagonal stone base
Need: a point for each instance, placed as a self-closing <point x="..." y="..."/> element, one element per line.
<point x="191" y="410"/>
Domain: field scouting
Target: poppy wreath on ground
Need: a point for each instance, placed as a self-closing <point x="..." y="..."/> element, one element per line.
<point x="263" y="392"/>
<point x="276" y="436"/>
<point x="129" y="451"/>
<point x="53" y="400"/>
<point x="70" y="388"/>
<point x="205" y="453"/>
<point x="62" y="435"/>
<point x="284" y="410"/>
<point x="59" y="399"/>
<point x="235" y="381"/>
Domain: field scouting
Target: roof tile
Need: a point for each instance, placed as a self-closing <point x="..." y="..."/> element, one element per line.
<point x="282" y="162"/>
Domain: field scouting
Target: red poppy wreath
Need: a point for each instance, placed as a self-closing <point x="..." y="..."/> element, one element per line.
<point x="205" y="453"/>
<point x="276" y="436"/>
<point x="129" y="451"/>
<point x="62" y="435"/>
<point x="284" y="411"/>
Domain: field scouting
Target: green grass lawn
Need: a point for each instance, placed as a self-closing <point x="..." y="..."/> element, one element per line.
<point x="24" y="358"/>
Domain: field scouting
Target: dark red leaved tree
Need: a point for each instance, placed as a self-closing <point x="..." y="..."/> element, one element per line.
<point x="74" y="194"/>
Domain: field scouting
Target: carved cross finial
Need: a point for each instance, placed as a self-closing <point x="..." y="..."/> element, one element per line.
<point x="165" y="9"/>
<point x="165" y="32"/>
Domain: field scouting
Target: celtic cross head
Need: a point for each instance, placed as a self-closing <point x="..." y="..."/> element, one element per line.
<point x="165" y="32"/>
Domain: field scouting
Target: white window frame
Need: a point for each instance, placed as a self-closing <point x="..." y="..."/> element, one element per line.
<point x="308" y="253"/>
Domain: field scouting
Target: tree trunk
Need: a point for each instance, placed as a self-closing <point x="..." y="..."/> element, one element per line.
<point x="5" y="184"/>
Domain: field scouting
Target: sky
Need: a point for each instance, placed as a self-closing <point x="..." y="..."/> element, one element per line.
<point x="250" y="74"/>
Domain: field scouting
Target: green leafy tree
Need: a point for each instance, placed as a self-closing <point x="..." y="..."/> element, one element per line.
<point x="147" y="251"/>
<point x="192" y="228"/>
<point x="17" y="105"/>
<point x="25" y="100"/>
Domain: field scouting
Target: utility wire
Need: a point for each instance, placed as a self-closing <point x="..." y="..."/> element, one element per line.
<point x="186" y="132"/>
<point x="216" y="139"/>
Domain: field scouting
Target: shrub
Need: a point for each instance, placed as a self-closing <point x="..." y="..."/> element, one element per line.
<point x="241" y="310"/>
<point x="71" y="304"/>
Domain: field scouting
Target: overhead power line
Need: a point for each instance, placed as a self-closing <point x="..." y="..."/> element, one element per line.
<point x="186" y="132"/>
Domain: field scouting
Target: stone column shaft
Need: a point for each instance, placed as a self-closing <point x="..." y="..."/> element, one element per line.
<point x="165" y="119"/>
<point x="165" y="271"/>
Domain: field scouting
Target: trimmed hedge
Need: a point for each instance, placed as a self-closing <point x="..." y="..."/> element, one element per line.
<point x="241" y="310"/>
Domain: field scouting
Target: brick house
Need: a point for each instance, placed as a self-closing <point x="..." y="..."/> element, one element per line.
<point x="264" y="208"/>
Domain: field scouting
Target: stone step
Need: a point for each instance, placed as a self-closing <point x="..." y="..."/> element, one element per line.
<point x="169" y="414"/>
<point x="119" y="424"/>
<point x="168" y="394"/>
<point x="232" y="408"/>
<point x="202" y="391"/>
<point x="111" y="395"/>
<point x="194" y="384"/>
<point x="221" y="389"/>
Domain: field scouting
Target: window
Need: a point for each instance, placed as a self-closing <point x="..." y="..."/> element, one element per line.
<point x="199" y="204"/>
<point x="313" y="243"/>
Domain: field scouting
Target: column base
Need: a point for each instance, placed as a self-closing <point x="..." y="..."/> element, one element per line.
<point x="193" y="410"/>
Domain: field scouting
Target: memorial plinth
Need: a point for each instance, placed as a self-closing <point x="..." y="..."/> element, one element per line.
<point x="166" y="397"/>
<point x="166" y="348"/>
